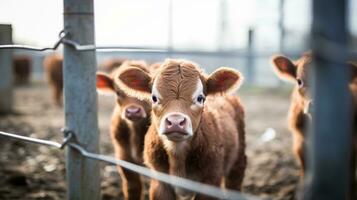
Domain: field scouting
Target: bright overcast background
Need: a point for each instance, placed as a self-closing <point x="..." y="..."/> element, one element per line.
<point x="195" y="23"/>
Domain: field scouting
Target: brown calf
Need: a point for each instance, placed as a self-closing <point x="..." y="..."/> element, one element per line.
<point x="191" y="136"/>
<point x="22" y="66"/>
<point x="299" y="114"/>
<point x="130" y="121"/>
<point x="54" y="73"/>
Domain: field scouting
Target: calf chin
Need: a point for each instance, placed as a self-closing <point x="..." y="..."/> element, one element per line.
<point x="182" y="194"/>
<point x="177" y="136"/>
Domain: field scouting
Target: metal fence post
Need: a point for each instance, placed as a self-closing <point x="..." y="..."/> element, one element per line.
<point x="329" y="147"/>
<point x="6" y="75"/>
<point x="83" y="175"/>
<point x="250" y="58"/>
<point x="281" y="25"/>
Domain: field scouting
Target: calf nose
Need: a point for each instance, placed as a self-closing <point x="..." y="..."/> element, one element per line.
<point x="132" y="109"/>
<point x="133" y="112"/>
<point x="176" y="121"/>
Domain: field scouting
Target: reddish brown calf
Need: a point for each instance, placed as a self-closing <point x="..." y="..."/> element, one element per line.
<point x="22" y="66"/>
<point x="191" y="136"/>
<point x="301" y="102"/>
<point x="53" y="65"/>
<point x="130" y="121"/>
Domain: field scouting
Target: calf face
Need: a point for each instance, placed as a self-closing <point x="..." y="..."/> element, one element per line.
<point x="297" y="72"/>
<point x="132" y="109"/>
<point x="177" y="92"/>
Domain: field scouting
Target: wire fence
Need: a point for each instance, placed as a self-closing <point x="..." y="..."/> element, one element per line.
<point x="64" y="40"/>
<point x="329" y="50"/>
<point x="197" y="187"/>
<point x="71" y="142"/>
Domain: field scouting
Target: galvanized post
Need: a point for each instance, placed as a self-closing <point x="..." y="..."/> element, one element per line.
<point x="250" y="57"/>
<point x="170" y="28"/>
<point x="80" y="98"/>
<point x="281" y="26"/>
<point x="6" y="75"/>
<point x="223" y="25"/>
<point x="329" y="145"/>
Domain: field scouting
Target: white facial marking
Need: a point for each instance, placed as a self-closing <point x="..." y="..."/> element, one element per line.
<point x="197" y="93"/>
<point x="307" y="107"/>
<point x="162" y="127"/>
<point x="155" y="92"/>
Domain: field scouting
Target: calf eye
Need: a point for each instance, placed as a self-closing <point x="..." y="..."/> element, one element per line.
<point x="300" y="83"/>
<point x="154" y="98"/>
<point x="200" y="99"/>
<point x="120" y="95"/>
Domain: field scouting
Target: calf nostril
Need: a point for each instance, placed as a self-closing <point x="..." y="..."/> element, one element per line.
<point x="168" y="122"/>
<point x="183" y="122"/>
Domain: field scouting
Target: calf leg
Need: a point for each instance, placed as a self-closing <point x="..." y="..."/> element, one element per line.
<point x="298" y="148"/>
<point x="131" y="184"/>
<point x="131" y="181"/>
<point x="161" y="191"/>
<point x="235" y="177"/>
<point x="57" y="95"/>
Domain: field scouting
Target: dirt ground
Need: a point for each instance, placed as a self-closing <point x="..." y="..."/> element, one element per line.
<point x="29" y="171"/>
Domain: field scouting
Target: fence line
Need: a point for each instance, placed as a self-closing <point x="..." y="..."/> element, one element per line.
<point x="329" y="50"/>
<point x="37" y="141"/>
<point x="70" y="140"/>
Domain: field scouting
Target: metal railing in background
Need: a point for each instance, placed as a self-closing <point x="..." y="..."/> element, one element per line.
<point x="328" y="49"/>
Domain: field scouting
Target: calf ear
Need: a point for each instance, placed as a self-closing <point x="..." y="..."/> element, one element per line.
<point x="284" y="67"/>
<point x="135" y="82"/>
<point x="105" y="83"/>
<point x="223" y="80"/>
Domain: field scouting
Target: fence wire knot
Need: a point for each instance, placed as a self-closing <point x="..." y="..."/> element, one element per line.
<point x="69" y="137"/>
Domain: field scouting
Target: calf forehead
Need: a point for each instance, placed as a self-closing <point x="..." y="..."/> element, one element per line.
<point x="127" y="100"/>
<point x="177" y="80"/>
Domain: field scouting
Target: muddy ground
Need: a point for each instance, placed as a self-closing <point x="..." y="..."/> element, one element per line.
<point x="29" y="171"/>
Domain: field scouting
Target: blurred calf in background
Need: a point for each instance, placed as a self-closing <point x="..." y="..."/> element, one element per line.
<point x="22" y="66"/>
<point x="53" y="65"/>
<point x="301" y="103"/>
